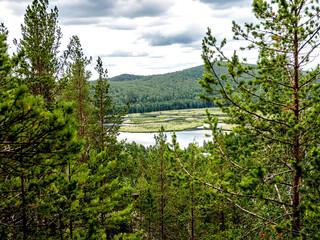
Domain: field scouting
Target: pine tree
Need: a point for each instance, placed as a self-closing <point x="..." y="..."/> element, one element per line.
<point x="78" y="88"/>
<point x="93" y="188"/>
<point x="156" y="194"/>
<point x="5" y="63"/>
<point x="108" y="198"/>
<point x="202" y="213"/>
<point x="45" y="191"/>
<point x="34" y="143"/>
<point x="109" y="118"/>
<point x="40" y="42"/>
<point x="276" y="105"/>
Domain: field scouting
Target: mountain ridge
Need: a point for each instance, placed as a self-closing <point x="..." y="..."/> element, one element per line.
<point x="168" y="91"/>
<point x="158" y="92"/>
<point x="125" y="77"/>
<point x="128" y="76"/>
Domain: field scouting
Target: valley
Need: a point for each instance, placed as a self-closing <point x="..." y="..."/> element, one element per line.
<point x="171" y="120"/>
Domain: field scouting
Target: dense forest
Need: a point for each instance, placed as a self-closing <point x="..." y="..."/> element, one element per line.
<point x="178" y="90"/>
<point x="64" y="175"/>
<point x="170" y="91"/>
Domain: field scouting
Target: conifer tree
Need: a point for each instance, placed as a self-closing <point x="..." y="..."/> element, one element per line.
<point x="108" y="198"/>
<point x="163" y="198"/>
<point x="78" y="88"/>
<point x="34" y="143"/>
<point x="202" y="213"/>
<point x="45" y="191"/>
<point x="109" y="118"/>
<point x="277" y="110"/>
<point x="157" y="196"/>
<point x="5" y="63"/>
<point x="97" y="196"/>
<point x="8" y="64"/>
<point x="40" y="43"/>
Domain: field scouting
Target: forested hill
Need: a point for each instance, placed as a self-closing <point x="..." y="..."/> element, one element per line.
<point x="125" y="77"/>
<point x="177" y="90"/>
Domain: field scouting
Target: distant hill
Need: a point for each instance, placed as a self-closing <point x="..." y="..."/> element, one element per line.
<point x="176" y="90"/>
<point x="125" y="77"/>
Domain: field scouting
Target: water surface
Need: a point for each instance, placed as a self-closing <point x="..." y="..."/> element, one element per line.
<point x="184" y="138"/>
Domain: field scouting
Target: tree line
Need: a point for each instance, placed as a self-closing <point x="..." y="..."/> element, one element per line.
<point x="59" y="159"/>
<point x="170" y="91"/>
<point x="178" y="90"/>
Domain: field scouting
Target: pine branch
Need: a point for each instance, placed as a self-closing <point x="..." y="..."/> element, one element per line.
<point x="264" y="224"/>
<point x="222" y="191"/>
<point x="237" y="105"/>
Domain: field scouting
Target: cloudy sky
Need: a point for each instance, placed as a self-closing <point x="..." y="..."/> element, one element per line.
<point x="138" y="36"/>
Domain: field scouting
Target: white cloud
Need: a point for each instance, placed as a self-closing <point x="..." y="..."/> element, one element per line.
<point x="138" y="36"/>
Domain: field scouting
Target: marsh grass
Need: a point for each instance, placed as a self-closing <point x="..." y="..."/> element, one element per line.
<point x="173" y="120"/>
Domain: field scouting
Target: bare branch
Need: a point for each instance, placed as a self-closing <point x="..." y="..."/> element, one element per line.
<point x="312" y="36"/>
<point x="277" y="174"/>
<point x="279" y="196"/>
<point x="264" y="224"/>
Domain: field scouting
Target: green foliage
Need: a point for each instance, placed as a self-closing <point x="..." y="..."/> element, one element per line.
<point x="40" y="42"/>
<point x="77" y="89"/>
<point x="109" y="119"/>
<point x="276" y="106"/>
<point x="64" y="175"/>
<point x="107" y="206"/>
<point x="177" y="90"/>
<point x="46" y="191"/>
<point x="170" y="91"/>
<point x="28" y="129"/>
<point x="191" y="210"/>
<point x="206" y="211"/>
<point x="35" y="143"/>
<point x="5" y="62"/>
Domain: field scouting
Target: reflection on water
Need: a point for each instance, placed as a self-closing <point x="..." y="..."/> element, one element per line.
<point x="184" y="138"/>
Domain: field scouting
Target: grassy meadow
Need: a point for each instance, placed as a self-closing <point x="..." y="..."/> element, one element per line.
<point x="172" y="120"/>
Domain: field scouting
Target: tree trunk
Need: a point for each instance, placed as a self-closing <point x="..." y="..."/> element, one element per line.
<point x="70" y="217"/>
<point x="296" y="227"/>
<point x="24" y="215"/>
<point x="101" y="116"/>
<point x="162" y="202"/>
<point x="81" y="114"/>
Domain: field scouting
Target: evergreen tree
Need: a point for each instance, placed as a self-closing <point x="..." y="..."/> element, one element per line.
<point x="45" y="191"/>
<point x="157" y="194"/>
<point x="162" y="182"/>
<point x="78" y="88"/>
<point x="109" y="203"/>
<point x="34" y="143"/>
<point x="202" y="213"/>
<point x="40" y="42"/>
<point x="97" y="196"/>
<point x="5" y="62"/>
<point x="109" y="119"/>
<point x="277" y="111"/>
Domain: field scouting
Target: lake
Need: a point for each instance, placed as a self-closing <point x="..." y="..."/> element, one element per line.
<point x="184" y="138"/>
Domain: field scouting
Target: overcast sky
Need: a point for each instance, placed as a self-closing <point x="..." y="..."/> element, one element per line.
<point x="138" y="36"/>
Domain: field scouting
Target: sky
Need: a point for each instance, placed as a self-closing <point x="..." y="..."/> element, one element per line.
<point x="141" y="37"/>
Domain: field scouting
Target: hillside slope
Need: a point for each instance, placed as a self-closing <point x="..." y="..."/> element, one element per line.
<point x="177" y="90"/>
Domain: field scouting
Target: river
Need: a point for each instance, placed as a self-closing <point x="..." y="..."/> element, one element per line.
<point x="184" y="138"/>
